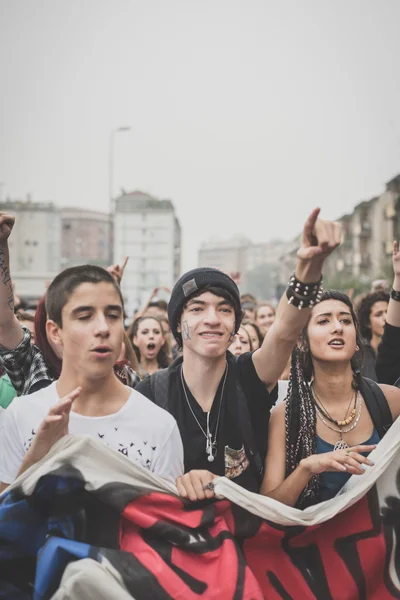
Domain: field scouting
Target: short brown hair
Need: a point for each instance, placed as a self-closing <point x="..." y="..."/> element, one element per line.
<point x="63" y="286"/>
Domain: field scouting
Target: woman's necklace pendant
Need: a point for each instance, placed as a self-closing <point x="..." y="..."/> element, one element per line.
<point x="341" y="445"/>
<point x="210" y="458"/>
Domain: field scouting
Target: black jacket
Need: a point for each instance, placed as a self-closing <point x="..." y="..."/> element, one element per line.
<point x="388" y="359"/>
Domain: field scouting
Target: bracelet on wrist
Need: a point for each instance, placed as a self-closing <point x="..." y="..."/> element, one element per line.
<point x="303" y="295"/>
<point x="305" y="289"/>
<point x="301" y="302"/>
<point x="395" y="295"/>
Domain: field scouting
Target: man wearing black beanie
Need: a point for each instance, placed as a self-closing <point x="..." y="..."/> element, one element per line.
<point x="222" y="403"/>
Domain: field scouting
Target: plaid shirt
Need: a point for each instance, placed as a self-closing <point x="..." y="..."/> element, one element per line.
<point x="28" y="372"/>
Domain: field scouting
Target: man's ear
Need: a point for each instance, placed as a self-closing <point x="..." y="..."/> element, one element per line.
<point x="54" y="334"/>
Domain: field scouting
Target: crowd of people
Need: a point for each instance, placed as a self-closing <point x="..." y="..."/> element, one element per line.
<point x="287" y="402"/>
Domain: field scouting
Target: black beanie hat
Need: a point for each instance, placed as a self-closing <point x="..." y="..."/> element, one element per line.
<point x="194" y="281"/>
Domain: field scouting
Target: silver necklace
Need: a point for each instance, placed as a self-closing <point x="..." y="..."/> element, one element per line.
<point x="210" y="444"/>
<point x="341" y="444"/>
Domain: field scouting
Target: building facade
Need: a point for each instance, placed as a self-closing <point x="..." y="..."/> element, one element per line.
<point x="368" y="233"/>
<point x="147" y="230"/>
<point x="239" y="254"/>
<point x="34" y="246"/>
<point x="228" y="255"/>
<point x="85" y="237"/>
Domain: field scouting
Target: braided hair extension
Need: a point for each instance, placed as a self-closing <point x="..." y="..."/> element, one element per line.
<point x="300" y="411"/>
<point x="300" y="425"/>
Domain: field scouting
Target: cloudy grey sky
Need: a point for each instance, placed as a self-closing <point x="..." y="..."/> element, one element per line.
<point x="247" y="114"/>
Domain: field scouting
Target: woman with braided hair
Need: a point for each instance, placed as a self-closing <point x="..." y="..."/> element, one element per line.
<point x="323" y="433"/>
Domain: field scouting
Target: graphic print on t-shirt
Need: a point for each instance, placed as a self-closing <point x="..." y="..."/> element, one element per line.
<point x="236" y="462"/>
<point x="138" y="451"/>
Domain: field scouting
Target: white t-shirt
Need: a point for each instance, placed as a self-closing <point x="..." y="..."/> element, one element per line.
<point x="140" y="430"/>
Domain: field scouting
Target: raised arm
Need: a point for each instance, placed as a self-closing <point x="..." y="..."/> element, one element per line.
<point x="388" y="358"/>
<point x="319" y="239"/>
<point x="117" y="270"/>
<point x="153" y="294"/>
<point x="10" y="329"/>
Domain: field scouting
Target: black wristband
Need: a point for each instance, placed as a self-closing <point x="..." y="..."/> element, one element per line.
<point x="306" y="290"/>
<point x="395" y="295"/>
<point x="301" y="302"/>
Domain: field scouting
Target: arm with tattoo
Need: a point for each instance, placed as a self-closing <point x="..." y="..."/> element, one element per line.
<point x="10" y="330"/>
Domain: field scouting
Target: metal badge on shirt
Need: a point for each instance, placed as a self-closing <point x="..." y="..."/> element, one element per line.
<point x="236" y="462"/>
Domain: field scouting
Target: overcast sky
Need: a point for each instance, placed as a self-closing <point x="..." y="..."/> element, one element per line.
<point x="245" y="114"/>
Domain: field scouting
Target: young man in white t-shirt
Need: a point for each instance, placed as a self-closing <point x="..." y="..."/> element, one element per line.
<point x="85" y="321"/>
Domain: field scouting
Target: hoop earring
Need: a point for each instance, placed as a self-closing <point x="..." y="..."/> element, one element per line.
<point x="357" y="348"/>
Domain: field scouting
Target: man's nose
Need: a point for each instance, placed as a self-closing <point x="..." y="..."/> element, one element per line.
<point x="211" y="316"/>
<point x="102" y="326"/>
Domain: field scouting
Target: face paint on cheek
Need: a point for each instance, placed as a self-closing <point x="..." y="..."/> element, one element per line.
<point x="185" y="331"/>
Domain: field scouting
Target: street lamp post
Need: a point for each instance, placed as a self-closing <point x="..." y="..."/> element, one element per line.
<point x="111" y="191"/>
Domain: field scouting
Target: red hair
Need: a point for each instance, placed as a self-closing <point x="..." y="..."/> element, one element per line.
<point x="51" y="359"/>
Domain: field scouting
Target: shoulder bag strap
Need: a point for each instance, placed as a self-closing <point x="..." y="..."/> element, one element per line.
<point x="159" y="388"/>
<point x="377" y="405"/>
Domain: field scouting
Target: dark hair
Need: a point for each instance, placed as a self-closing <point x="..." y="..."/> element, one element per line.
<point x="161" y="304"/>
<point x="300" y="412"/>
<point x="364" y="311"/>
<point x="217" y="291"/>
<point x="258" y="331"/>
<point x="163" y="358"/>
<point x="24" y="316"/>
<point x="63" y="286"/>
<point x="50" y="357"/>
<point x="248" y="298"/>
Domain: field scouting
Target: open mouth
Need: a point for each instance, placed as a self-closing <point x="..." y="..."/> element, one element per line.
<point x="337" y="343"/>
<point x="151" y="346"/>
<point x="102" y="350"/>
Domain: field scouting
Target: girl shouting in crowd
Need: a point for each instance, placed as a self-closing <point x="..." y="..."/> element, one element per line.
<point x="150" y="345"/>
<point x="320" y="436"/>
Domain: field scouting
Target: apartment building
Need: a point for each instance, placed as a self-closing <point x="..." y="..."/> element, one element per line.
<point x="147" y="230"/>
<point x="85" y="237"/>
<point x="34" y="245"/>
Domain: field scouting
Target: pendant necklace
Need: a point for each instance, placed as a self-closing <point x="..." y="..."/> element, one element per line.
<point x="341" y="444"/>
<point x="347" y="419"/>
<point x="210" y="443"/>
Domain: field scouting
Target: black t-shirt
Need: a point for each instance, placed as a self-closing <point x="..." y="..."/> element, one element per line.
<point x="230" y="458"/>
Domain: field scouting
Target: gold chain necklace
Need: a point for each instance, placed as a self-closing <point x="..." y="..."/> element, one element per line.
<point x="347" y="419"/>
<point x="341" y="444"/>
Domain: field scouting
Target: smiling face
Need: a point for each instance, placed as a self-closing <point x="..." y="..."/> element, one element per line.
<point x="241" y="343"/>
<point x="91" y="335"/>
<point x="207" y="325"/>
<point x="377" y="318"/>
<point x="331" y="332"/>
<point x="149" y="338"/>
